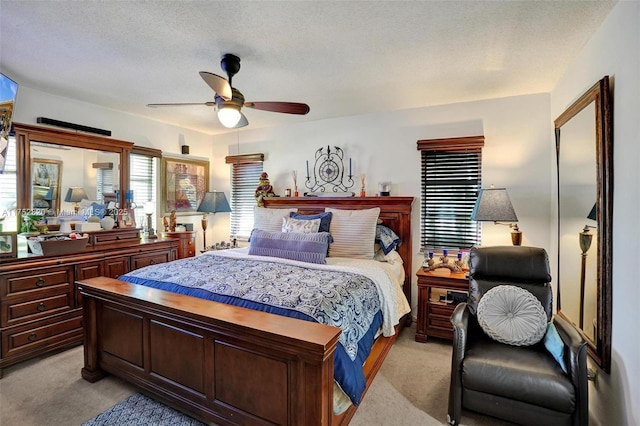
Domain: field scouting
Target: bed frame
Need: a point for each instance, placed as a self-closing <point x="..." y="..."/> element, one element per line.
<point x="226" y="364"/>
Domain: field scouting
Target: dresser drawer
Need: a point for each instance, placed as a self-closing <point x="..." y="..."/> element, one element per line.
<point x="29" y="310"/>
<point x="56" y="332"/>
<point x="146" y="259"/>
<point x="117" y="236"/>
<point x="31" y="283"/>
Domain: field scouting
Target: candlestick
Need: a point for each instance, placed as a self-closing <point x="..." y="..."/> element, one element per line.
<point x="307" y="169"/>
<point x="350" y="167"/>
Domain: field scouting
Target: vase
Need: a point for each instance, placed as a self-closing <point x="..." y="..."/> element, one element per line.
<point x="107" y="223"/>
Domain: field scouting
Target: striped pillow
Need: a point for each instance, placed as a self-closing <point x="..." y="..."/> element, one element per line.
<point x="353" y="232"/>
<point x="269" y="219"/>
<point x="304" y="247"/>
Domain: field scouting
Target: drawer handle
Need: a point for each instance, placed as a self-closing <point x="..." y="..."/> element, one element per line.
<point x="32" y="337"/>
<point x="117" y="237"/>
<point x="40" y="282"/>
<point x="152" y="262"/>
<point x="41" y="306"/>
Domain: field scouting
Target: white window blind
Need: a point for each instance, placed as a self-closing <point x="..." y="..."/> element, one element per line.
<point x="245" y="175"/>
<point x="104" y="182"/>
<point x="8" y="192"/>
<point x="451" y="180"/>
<point x="142" y="180"/>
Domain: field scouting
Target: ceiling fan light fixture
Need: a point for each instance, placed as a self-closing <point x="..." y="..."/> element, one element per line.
<point x="229" y="116"/>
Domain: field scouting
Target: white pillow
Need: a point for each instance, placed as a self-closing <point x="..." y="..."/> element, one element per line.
<point x="353" y="232"/>
<point x="512" y="315"/>
<point x="270" y="219"/>
<point x="298" y="225"/>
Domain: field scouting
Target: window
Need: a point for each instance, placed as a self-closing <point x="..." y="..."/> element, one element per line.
<point x="104" y="179"/>
<point x="451" y="180"/>
<point x="143" y="169"/>
<point x="8" y="192"/>
<point x="245" y="174"/>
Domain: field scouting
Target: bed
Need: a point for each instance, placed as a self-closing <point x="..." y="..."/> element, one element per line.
<point x="228" y="364"/>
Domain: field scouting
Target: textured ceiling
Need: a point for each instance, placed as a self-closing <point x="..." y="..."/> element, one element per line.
<point x="342" y="58"/>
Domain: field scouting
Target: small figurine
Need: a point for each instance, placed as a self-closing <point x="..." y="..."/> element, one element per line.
<point x="264" y="189"/>
<point x="172" y="221"/>
<point x="165" y="224"/>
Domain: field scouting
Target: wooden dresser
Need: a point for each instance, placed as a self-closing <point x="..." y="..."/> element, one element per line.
<point x="187" y="242"/>
<point x="41" y="311"/>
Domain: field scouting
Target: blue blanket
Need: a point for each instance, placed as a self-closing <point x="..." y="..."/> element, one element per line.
<point x="346" y="300"/>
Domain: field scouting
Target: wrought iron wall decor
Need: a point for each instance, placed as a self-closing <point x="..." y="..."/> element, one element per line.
<point x="329" y="172"/>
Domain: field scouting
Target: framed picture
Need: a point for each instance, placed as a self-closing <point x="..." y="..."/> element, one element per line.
<point x="8" y="244"/>
<point x="45" y="183"/>
<point x="127" y="218"/>
<point x="184" y="182"/>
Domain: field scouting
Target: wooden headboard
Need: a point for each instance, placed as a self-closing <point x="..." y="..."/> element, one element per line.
<point x="395" y="213"/>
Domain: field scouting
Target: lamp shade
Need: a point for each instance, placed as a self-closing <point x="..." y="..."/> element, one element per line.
<point x="75" y="195"/>
<point x="592" y="214"/>
<point x="494" y="205"/>
<point x="229" y="116"/>
<point x="51" y="193"/>
<point x="214" y="202"/>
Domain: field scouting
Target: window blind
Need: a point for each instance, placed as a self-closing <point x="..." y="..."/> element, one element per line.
<point x="245" y="175"/>
<point x="8" y="191"/>
<point x="451" y="180"/>
<point x="142" y="180"/>
<point x="104" y="184"/>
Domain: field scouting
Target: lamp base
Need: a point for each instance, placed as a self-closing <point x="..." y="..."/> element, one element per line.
<point x="516" y="235"/>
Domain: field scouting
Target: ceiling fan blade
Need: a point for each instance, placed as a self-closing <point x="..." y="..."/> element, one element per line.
<point x="219" y="84"/>
<point x="182" y="104"/>
<point x="284" y="107"/>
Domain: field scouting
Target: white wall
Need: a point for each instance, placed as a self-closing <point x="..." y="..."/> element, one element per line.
<point x="613" y="51"/>
<point x="517" y="155"/>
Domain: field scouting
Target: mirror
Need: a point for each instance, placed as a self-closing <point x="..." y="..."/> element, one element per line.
<point x="50" y="161"/>
<point x="56" y="168"/>
<point x="584" y="149"/>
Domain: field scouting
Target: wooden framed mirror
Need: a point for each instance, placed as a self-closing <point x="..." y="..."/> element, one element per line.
<point x="584" y="153"/>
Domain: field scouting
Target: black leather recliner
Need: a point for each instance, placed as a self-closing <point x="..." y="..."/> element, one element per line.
<point x="520" y="384"/>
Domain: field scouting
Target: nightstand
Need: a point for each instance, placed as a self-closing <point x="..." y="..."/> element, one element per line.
<point x="187" y="246"/>
<point x="439" y="292"/>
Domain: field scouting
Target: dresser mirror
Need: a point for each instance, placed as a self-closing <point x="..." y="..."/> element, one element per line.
<point x="584" y="150"/>
<point x="56" y="168"/>
<point x="50" y="161"/>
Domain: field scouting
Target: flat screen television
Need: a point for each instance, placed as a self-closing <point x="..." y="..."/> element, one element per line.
<point x="8" y="92"/>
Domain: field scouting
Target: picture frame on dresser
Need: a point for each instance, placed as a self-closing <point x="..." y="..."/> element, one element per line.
<point x="184" y="182"/>
<point x="126" y="218"/>
<point x="8" y="244"/>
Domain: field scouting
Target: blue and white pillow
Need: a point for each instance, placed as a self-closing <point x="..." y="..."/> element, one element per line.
<point x="296" y="225"/>
<point x="303" y="247"/>
<point x="387" y="239"/>
<point x="325" y="219"/>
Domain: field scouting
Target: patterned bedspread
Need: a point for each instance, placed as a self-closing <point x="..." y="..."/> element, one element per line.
<point x="342" y="299"/>
<point x="358" y="298"/>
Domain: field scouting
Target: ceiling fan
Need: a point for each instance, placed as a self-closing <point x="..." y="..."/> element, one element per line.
<point x="229" y="100"/>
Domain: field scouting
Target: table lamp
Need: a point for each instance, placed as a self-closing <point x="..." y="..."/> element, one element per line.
<point x="494" y="205"/>
<point x="585" y="238"/>
<point x="149" y="208"/>
<point x="212" y="202"/>
<point x="75" y="195"/>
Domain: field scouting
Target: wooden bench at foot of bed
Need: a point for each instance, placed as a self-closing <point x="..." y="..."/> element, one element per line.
<point x="220" y="363"/>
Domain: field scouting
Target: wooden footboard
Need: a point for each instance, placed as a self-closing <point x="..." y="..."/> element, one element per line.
<point x="221" y="363"/>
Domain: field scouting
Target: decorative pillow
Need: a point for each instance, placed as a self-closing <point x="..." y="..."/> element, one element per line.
<point x="98" y="209"/>
<point x="391" y="257"/>
<point x="512" y="315"/>
<point x="555" y="345"/>
<point x="311" y="248"/>
<point x="325" y="219"/>
<point x="296" y="225"/>
<point x="353" y="232"/>
<point x="387" y="239"/>
<point x="269" y="219"/>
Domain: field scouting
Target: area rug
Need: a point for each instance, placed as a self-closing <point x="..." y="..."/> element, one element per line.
<point x="139" y="410"/>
